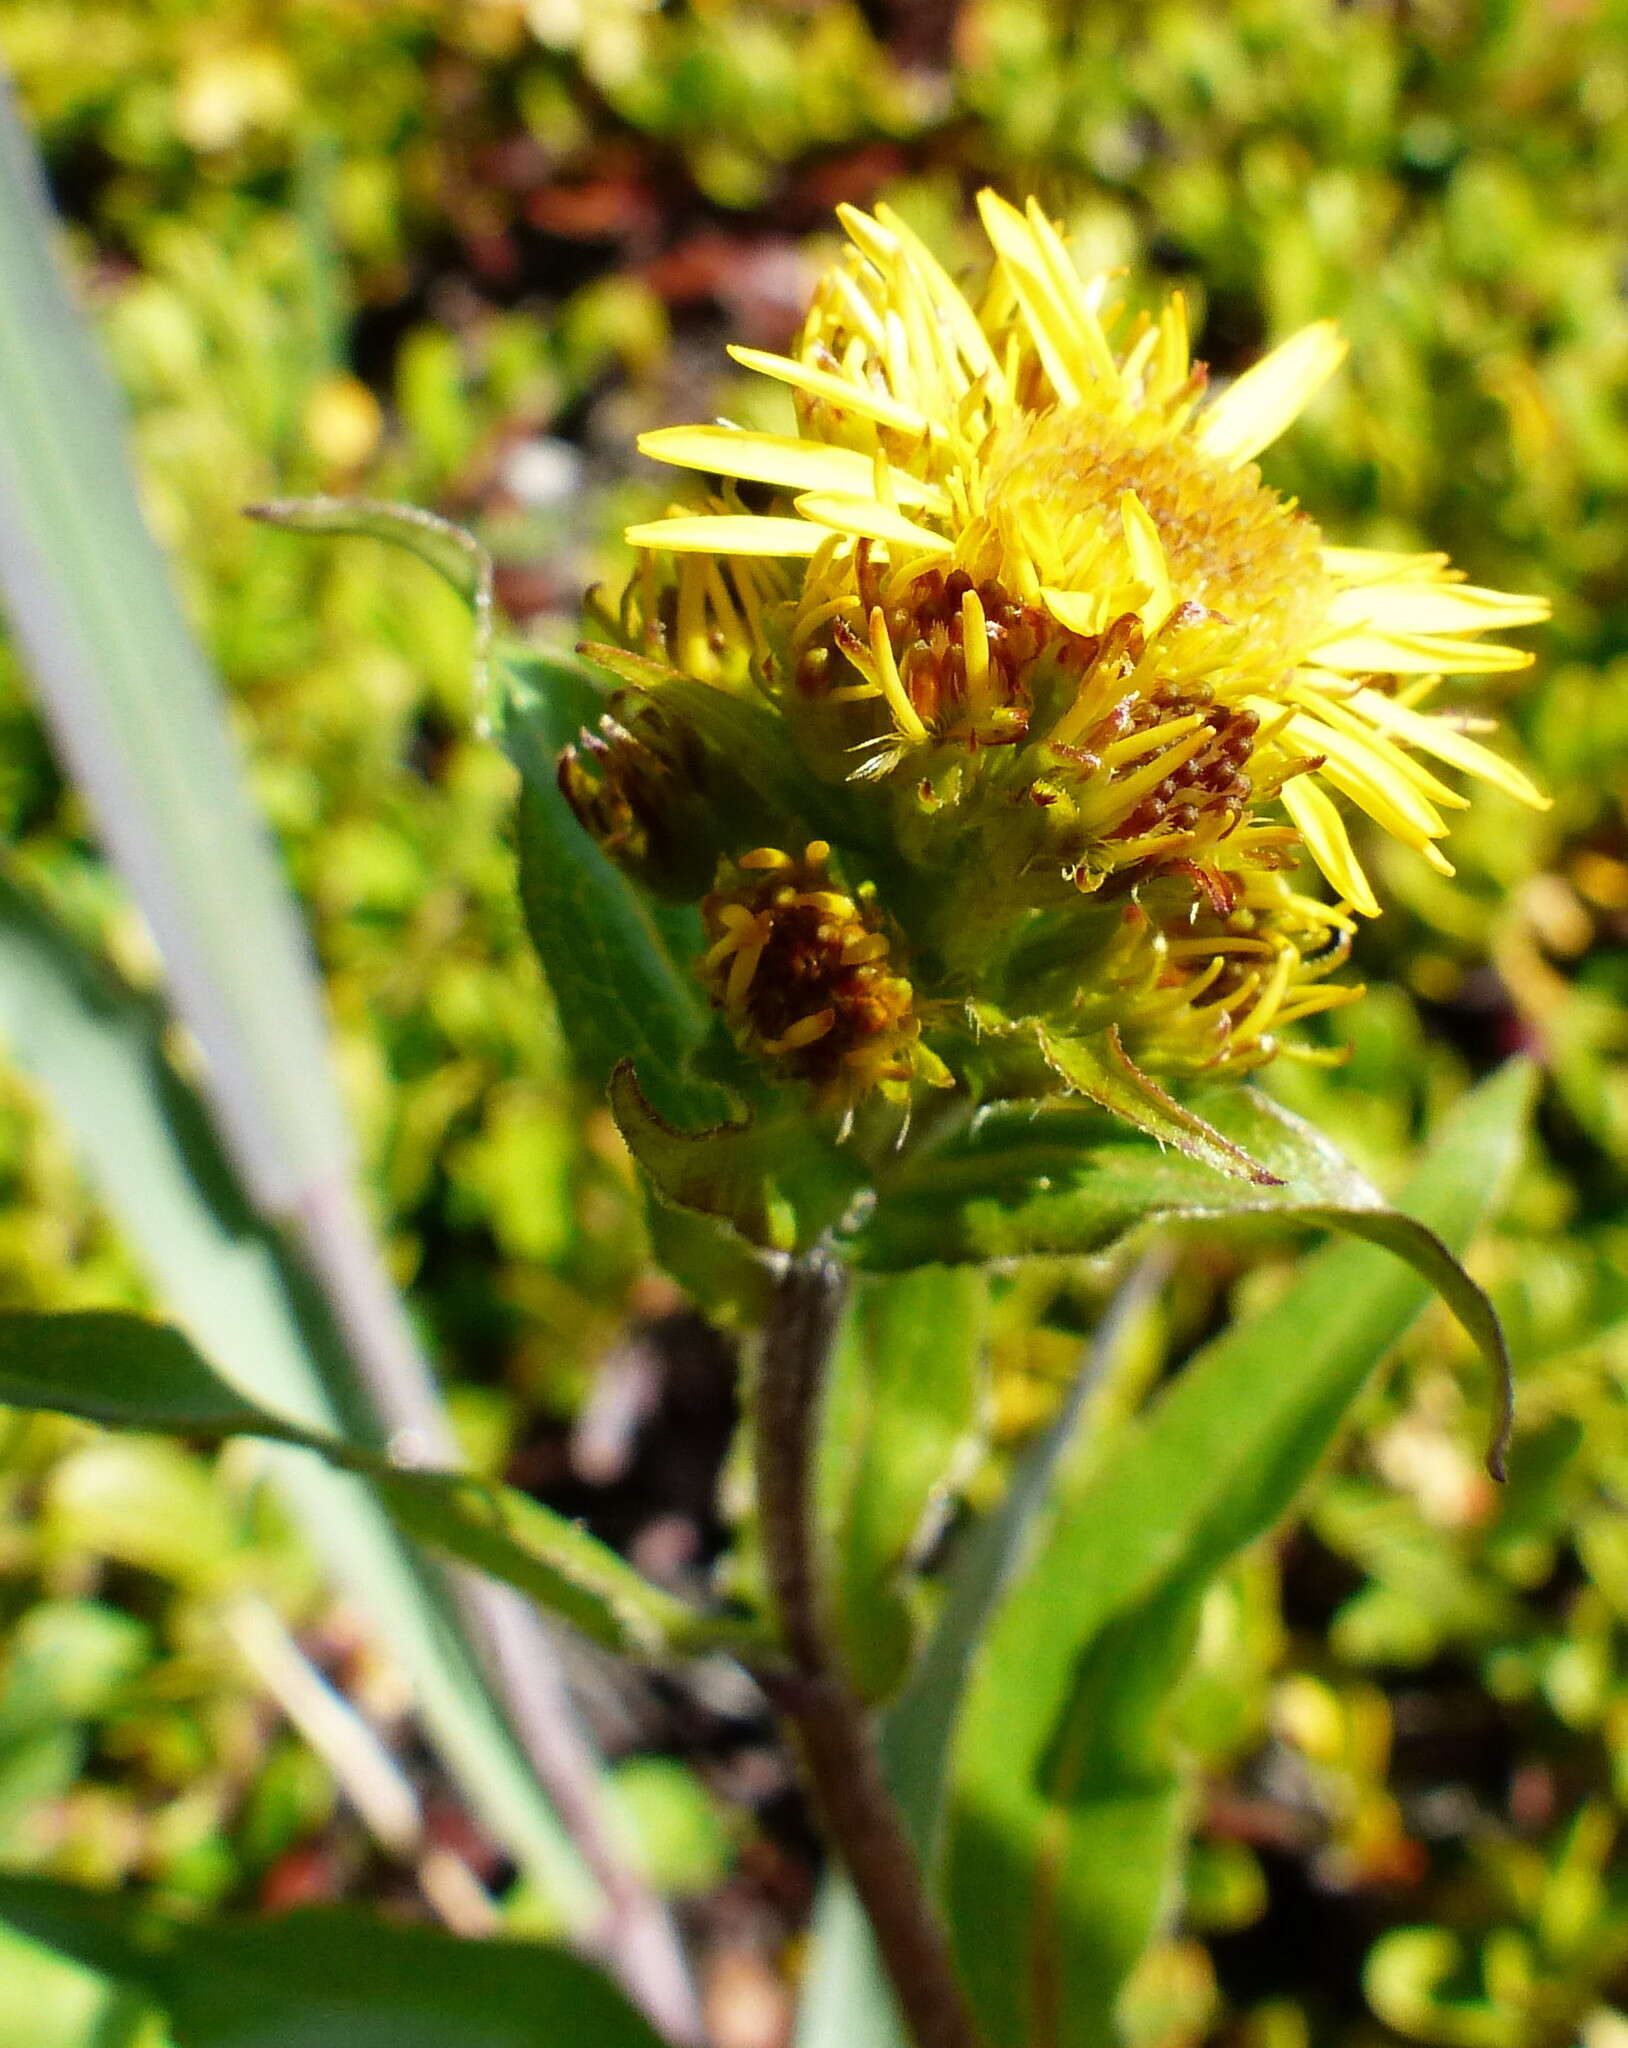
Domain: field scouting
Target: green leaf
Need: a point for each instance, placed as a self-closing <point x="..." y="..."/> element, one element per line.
<point x="774" y="1180"/>
<point x="726" y="1172"/>
<point x="48" y="2002"/>
<point x="328" y="1978"/>
<point x="97" y="1049"/>
<point x="846" y="1995"/>
<point x="562" y="1567"/>
<point x="127" y="1373"/>
<point x="141" y="723"/>
<point x="1104" y="1073"/>
<point x="1067" y="1811"/>
<point x="902" y="1411"/>
<point x="1059" y="1178"/>
<point x="139" y="718"/>
<point x="618" y="967"/>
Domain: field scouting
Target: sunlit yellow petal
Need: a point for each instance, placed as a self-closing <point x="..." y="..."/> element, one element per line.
<point x="1380" y="565"/>
<point x="887" y="674"/>
<point x="867" y="520"/>
<point x="1437" y="737"/>
<point x="1433" y="608"/>
<point x="1395" y="759"/>
<point x="1417" y="654"/>
<point x="1148" y="562"/>
<point x="1372" y="782"/>
<point x="862" y="400"/>
<point x="729" y="534"/>
<point x="1079" y="610"/>
<point x="1329" y="844"/>
<point x="1172" y="364"/>
<point x="780" y="459"/>
<point x="1077" y="299"/>
<point x="1250" y="414"/>
<point x="1048" y="321"/>
<point x="948" y="302"/>
<point x="1051" y="602"/>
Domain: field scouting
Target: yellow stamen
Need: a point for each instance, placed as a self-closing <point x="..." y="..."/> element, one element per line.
<point x="975" y="652"/>
<point x="806" y="1031"/>
<point x="887" y="674"/>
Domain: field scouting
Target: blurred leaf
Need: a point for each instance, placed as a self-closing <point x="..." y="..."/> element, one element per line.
<point x="138" y="716"/>
<point x="68" y="1659"/>
<point x="49" y="2002"/>
<point x="97" y="1049"/>
<point x="329" y="1978"/>
<point x="1060" y="1179"/>
<point x="127" y="1373"/>
<point x="901" y="1412"/>
<point x="139" y="720"/>
<point x="1067" y="1811"/>
<point x="616" y="964"/>
<point x="676" y="1832"/>
<point x="449" y="550"/>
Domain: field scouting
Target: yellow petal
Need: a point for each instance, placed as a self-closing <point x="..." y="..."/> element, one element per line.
<point x="868" y="520"/>
<point x="1415" y="607"/>
<point x="1250" y="414"/>
<point x="1077" y="611"/>
<point x="729" y="534"/>
<point x="862" y="400"/>
<point x="949" y="303"/>
<point x="1043" y="316"/>
<point x="1397" y="760"/>
<point x="1361" y="770"/>
<point x="1437" y="737"/>
<point x="1380" y="565"/>
<point x="1173" y="362"/>
<point x="1417" y="654"/>
<point x="1148" y="563"/>
<point x="887" y="674"/>
<point x="1078" y="299"/>
<point x="781" y="459"/>
<point x="1319" y="823"/>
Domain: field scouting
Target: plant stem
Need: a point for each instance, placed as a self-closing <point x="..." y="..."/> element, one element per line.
<point x="832" y="1730"/>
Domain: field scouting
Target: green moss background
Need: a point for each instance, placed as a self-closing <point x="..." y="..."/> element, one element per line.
<point x="461" y="254"/>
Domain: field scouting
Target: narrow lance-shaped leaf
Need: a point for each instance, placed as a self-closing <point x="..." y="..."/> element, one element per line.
<point x="452" y="551"/>
<point x="127" y="1373"/>
<point x="1057" y="1179"/>
<point x="138" y="717"/>
<point x="151" y="1152"/>
<point x="140" y="722"/>
<point x="616" y="964"/>
<point x="1066" y="1809"/>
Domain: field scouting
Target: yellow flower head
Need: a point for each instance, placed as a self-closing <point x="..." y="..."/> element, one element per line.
<point x="1016" y="582"/>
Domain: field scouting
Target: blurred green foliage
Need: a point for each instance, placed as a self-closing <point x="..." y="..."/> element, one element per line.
<point x="459" y="253"/>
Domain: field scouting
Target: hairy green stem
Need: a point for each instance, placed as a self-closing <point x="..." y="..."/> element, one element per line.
<point x="832" y="1731"/>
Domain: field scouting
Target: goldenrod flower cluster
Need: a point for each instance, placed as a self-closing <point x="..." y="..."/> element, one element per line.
<point x="1076" y="700"/>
